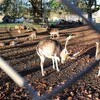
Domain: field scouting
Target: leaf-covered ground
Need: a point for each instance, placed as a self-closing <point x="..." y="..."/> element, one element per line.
<point x="25" y="61"/>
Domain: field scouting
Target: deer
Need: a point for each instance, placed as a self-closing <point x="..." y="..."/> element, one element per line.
<point x="2" y="44"/>
<point x="16" y="27"/>
<point x="52" y="49"/>
<point x="33" y="34"/>
<point x="23" y="27"/>
<point x="53" y="32"/>
<point x="14" y="42"/>
<point x="97" y="54"/>
<point x="20" y="28"/>
<point x="9" y="29"/>
<point x="31" y="29"/>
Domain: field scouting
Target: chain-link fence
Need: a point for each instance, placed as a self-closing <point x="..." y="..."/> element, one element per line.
<point x="22" y="82"/>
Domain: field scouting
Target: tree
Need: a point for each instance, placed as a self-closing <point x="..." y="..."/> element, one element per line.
<point x="14" y="8"/>
<point x="89" y="6"/>
<point x="53" y="6"/>
<point x="36" y="8"/>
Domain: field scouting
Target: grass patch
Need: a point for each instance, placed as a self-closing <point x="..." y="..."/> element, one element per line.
<point x="9" y="24"/>
<point x="4" y="25"/>
<point x="50" y="23"/>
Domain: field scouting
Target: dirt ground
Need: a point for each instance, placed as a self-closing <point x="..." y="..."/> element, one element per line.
<point x="25" y="61"/>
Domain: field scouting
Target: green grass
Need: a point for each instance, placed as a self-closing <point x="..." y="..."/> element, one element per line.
<point x="27" y="24"/>
<point x="9" y="24"/>
<point x="50" y="23"/>
<point x="14" y="24"/>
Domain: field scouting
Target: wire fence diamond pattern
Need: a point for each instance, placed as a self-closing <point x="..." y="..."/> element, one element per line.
<point x="22" y="82"/>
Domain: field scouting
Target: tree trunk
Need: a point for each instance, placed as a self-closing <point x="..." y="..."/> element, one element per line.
<point x="90" y="16"/>
<point x="36" y="8"/>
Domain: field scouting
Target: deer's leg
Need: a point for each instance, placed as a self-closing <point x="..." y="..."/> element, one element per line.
<point x="53" y="61"/>
<point x="50" y="36"/>
<point x="97" y="55"/>
<point x="58" y="35"/>
<point x="41" y="64"/>
<point x="99" y="72"/>
<point x="53" y="36"/>
<point x="56" y="62"/>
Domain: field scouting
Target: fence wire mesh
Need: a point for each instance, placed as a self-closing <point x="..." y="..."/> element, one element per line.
<point x="22" y="82"/>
